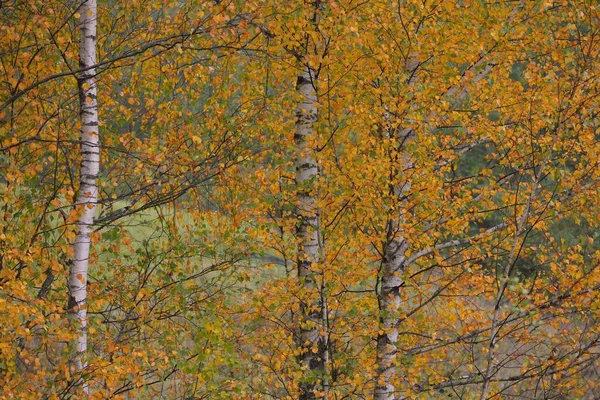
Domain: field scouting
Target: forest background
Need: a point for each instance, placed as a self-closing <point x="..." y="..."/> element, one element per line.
<point x="299" y="200"/>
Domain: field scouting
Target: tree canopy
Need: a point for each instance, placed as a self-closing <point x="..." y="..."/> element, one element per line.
<point x="299" y="200"/>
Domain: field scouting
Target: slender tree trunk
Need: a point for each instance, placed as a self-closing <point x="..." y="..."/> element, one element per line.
<point x="393" y="261"/>
<point x="312" y="343"/>
<point x="87" y="196"/>
<point x="393" y="264"/>
<point x="389" y="302"/>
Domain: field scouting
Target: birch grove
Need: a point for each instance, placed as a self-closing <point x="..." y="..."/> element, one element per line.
<point x="299" y="200"/>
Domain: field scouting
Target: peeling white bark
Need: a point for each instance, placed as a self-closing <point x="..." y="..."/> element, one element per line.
<point x="87" y="197"/>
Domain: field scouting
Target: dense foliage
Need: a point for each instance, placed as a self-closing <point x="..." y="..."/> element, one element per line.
<point x="300" y="199"/>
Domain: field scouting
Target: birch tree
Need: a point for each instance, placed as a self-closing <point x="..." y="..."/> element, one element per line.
<point x="397" y="129"/>
<point x="312" y="331"/>
<point x="87" y="196"/>
<point x="311" y="336"/>
<point x="390" y="278"/>
<point x="484" y="72"/>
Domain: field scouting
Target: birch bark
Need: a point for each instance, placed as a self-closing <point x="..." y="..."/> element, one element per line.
<point x="393" y="264"/>
<point x="394" y="260"/>
<point x="87" y="195"/>
<point x="312" y="342"/>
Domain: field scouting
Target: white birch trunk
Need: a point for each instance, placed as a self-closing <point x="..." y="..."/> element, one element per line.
<point x="393" y="263"/>
<point x="388" y="296"/>
<point x="87" y="196"/>
<point x="389" y="303"/>
<point x="307" y="235"/>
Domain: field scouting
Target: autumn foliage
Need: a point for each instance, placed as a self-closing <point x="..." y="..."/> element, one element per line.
<point x="302" y="200"/>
